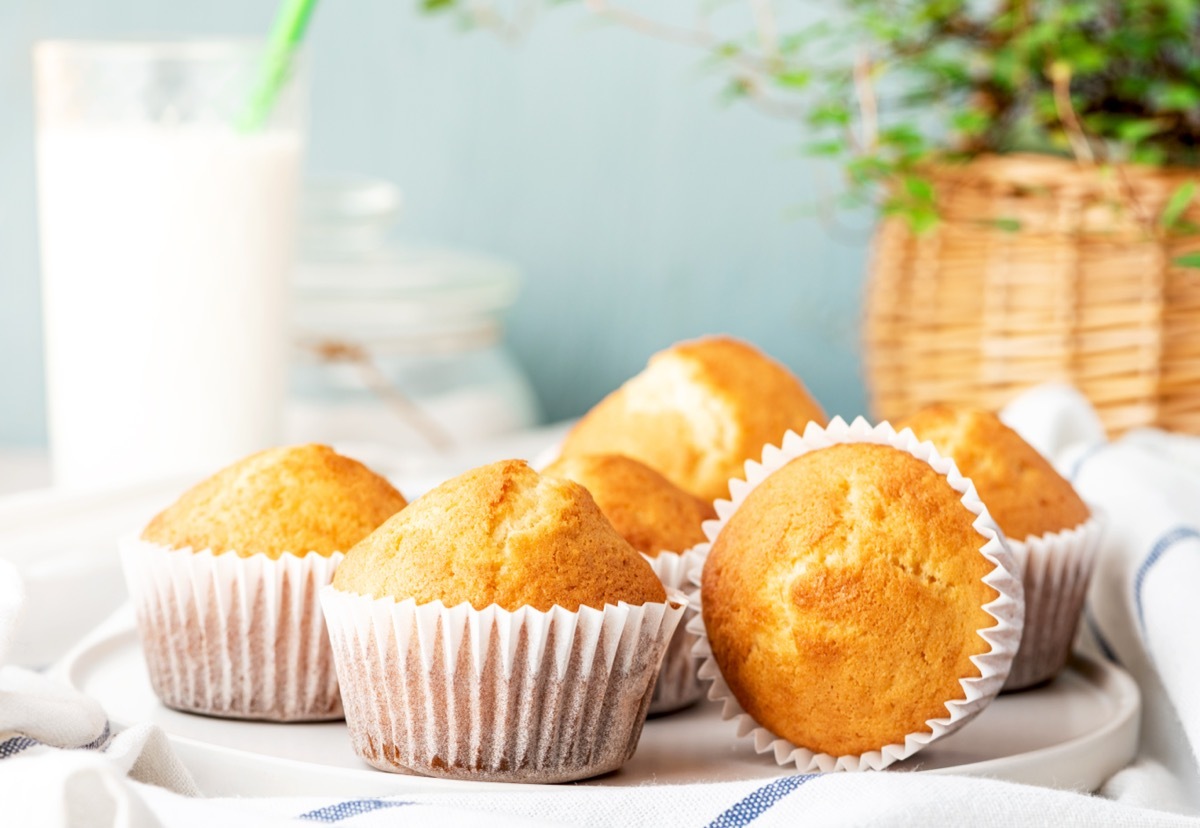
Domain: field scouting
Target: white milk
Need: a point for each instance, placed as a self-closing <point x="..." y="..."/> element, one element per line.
<point x="165" y="260"/>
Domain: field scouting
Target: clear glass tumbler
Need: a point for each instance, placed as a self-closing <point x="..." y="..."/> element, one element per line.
<point x="167" y="239"/>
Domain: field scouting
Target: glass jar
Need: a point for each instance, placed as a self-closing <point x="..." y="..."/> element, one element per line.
<point x="397" y="345"/>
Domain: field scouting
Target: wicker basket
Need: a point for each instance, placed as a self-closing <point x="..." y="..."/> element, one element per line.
<point x="1083" y="291"/>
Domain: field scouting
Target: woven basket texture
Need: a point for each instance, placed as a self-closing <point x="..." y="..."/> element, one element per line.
<point x="1040" y="270"/>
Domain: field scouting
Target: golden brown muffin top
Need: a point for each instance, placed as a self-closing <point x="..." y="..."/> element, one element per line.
<point x="293" y="499"/>
<point x="501" y="534"/>
<point x="1022" y="491"/>
<point x="697" y="412"/>
<point x="844" y="596"/>
<point x="649" y="511"/>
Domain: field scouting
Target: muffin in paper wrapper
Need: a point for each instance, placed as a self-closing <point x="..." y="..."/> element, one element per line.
<point x="239" y="637"/>
<point x="678" y="684"/>
<point x="1056" y="569"/>
<point x="1007" y="609"/>
<point x="522" y="696"/>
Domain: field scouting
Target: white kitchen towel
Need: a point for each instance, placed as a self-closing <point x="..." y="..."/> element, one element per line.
<point x="60" y="764"/>
<point x="1144" y="611"/>
<point x="883" y="798"/>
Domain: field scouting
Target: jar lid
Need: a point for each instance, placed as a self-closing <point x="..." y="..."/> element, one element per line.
<point x="405" y="287"/>
<point x="348" y="197"/>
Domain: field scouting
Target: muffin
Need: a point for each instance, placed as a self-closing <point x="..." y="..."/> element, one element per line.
<point x="857" y="602"/>
<point x="649" y="511"/>
<point x="697" y="412"/>
<point x="225" y="582"/>
<point x="1053" y="534"/>
<point x="498" y="629"/>
<point x="661" y="521"/>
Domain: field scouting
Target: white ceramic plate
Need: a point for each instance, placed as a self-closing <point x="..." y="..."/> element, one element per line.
<point x="1072" y="733"/>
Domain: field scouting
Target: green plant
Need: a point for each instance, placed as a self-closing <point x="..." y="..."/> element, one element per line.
<point x="888" y="86"/>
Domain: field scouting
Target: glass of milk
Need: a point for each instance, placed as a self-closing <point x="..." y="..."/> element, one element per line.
<point x="166" y="242"/>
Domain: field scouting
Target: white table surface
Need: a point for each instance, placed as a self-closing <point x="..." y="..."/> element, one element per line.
<point x="22" y="469"/>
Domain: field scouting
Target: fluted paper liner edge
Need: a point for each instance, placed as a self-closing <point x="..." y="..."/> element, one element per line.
<point x="678" y="684"/>
<point x="1056" y="569"/>
<point x="239" y="637"/>
<point x="490" y="694"/>
<point x="1007" y="609"/>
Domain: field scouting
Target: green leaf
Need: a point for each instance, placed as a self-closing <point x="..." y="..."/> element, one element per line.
<point x="1177" y="203"/>
<point x="794" y="78"/>
<point x="919" y="188"/>
<point x="734" y="90"/>
<point x="922" y="221"/>
<point x="904" y="136"/>
<point x="1177" y="96"/>
<point x="1008" y="225"/>
<point x="825" y="148"/>
<point x="1188" y="260"/>
<point x="436" y="5"/>
<point x="1134" y="132"/>
<point x="829" y="114"/>
<point x="970" y="121"/>
<point x="866" y="168"/>
<point x="1151" y="156"/>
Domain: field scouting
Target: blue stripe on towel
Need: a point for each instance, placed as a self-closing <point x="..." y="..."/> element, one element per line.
<point x="17" y="744"/>
<point x="101" y="741"/>
<point x="350" y="808"/>
<point x="1086" y="455"/>
<point x="750" y="808"/>
<point x="1094" y="628"/>
<point x="1179" y="533"/>
<point x="13" y="746"/>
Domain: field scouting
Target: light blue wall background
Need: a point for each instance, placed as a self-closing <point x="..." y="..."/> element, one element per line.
<point x="641" y="209"/>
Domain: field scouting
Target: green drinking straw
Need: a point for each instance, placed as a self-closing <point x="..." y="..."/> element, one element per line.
<point x="286" y="34"/>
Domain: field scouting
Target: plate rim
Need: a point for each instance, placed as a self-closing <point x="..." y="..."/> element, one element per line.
<point x="1109" y="676"/>
<point x="1112" y="679"/>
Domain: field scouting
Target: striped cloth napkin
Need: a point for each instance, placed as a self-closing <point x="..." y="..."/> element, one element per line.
<point x="58" y="766"/>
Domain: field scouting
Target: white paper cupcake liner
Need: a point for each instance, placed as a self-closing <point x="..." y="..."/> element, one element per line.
<point x="240" y="637"/>
<point x="678" y="684"/>
<point x="1056" y="569"/>
<point x="524" y="696"/>
<point x="1003" y="638"/>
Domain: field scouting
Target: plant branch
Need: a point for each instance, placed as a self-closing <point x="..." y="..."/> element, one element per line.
<point x="1060" y="78"/>
<point x="1141" y="213"/>
<point x="753" y="86"/>
<point x="510" y="29"/>
<point x="378" y="383"/>
<point x="648" y="25"/>
<point x="768" y="28"/>
<point x="695" y="37"/>
<point x="868" y="106"/>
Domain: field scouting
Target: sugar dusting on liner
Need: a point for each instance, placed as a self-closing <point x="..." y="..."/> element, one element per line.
<point x="678" y="684"/>
<point x="1003" y="638"/>
<point x="1056" y="570"/>
<point x="239" y="637"/>
<point x="522" y="696"/>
